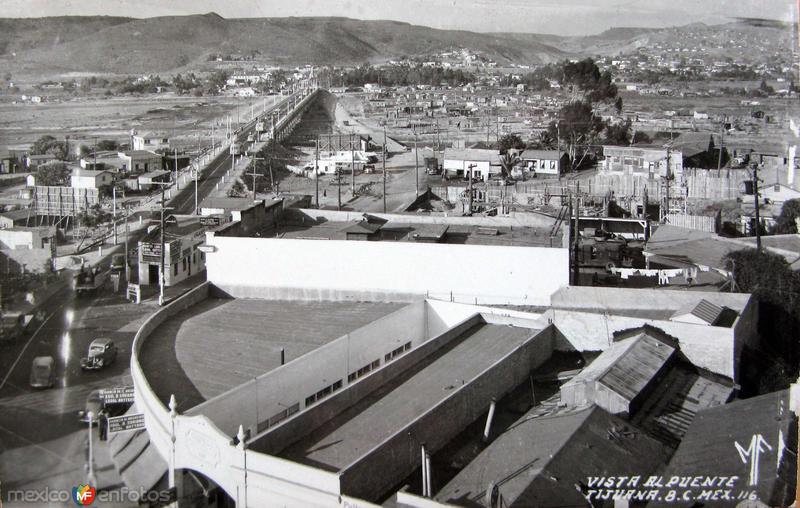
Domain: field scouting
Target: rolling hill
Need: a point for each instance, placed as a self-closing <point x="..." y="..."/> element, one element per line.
<point x="97" y="44"/>
<point x="126" y="45"/>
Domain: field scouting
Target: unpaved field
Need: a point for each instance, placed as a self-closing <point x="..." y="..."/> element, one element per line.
<point x="186" y="119"/>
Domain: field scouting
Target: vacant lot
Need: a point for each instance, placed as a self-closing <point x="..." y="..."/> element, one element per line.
<point x="186" y="119"/>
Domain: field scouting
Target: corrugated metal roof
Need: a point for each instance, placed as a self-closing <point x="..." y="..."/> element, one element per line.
<point x="627" y="366"/>
<point x="707" y="311"/>
<point x="629" y="375"/>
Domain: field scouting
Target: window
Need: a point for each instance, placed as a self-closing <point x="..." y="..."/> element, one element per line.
<point x="324" y="392"/>
<point x="376" y="363"/>
<point x="351" y="377"/>
<point x="407" y="346"/>
<point x="276" y="419"/>
<point x="337" y="385"/>
<point x="175" y="269"/>
<point x="387" y="357"/>
<point x="552" y="164"/>
<point x="310" y="400"/>
<point x="184" y="264"/>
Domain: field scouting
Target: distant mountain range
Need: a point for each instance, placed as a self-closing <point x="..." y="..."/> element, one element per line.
<point x="164" y="44"/>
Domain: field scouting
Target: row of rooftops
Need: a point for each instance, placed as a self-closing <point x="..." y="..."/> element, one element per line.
<point x="373" y="228"/>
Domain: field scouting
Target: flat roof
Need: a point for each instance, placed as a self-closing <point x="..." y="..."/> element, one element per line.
<point x="22" y="213"/>
<point x="220" y="344"/>
<point x="454" y="234"/>
<point x="352" y="434"/>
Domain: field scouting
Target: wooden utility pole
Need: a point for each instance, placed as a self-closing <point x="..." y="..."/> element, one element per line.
<point x="755" y="202"/>
<point x="339" y="188"/>
<point x="669" y="181"/>
<point x="576" y="267"/>
<point x="416" y="160"/>
<point x="316" y="171"/>
<point x="384" y="168"/>
<point x="256" y="175"/>
<point x="352" y="166"/>
<point x="470" y="192"/>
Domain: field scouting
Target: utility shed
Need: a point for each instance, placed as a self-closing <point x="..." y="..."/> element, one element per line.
<point x="362" y="230"/>
<point x="617" y="379"/>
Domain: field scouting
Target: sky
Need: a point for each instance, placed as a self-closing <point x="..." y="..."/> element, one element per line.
<point x="565" y="17"/>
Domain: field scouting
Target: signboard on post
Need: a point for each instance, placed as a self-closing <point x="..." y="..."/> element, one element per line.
<point x="125" y="423"/>
<point x="151" y="252"/>
<point x="209" y="221"/>
<point x="135" y="292"/>
<point x="117" y="395"/>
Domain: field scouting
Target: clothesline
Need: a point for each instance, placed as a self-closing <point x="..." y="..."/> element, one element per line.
<point x="664" y="275"/>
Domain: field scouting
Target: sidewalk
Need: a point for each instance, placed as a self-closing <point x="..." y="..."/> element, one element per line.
<point x="150" y="292"/>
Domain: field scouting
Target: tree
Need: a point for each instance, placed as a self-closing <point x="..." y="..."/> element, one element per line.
<point x="93" y="216"/>
<point x="107" y="145"/>
<point x="586" y="77"/>
<point x="52" y="173"/>
<point x="618" y="133"/>
<point x="786" y="223"/>
<point x="50" y="145"/>
<point x="237" y="190"/>
<point x="640" y="137"/>
<point x="776" y="288"/>
<point x="579" y="128"/>
<point x="509" y="142"/>
<point x="545" y="141"/>
<point x="507" y="163"/>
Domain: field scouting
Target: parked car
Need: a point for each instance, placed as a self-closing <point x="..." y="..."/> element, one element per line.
<point x="43" y="372"/>
<point x="102" y="352"/>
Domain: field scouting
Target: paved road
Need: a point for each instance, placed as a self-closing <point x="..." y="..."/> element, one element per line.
<point x="39" y="425"/>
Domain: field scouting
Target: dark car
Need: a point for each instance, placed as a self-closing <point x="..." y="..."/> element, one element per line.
<point x="102" y="353"/>
<point x="43" y="372"/>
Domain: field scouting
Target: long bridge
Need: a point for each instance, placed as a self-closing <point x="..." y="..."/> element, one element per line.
<point x="277" y="123"/>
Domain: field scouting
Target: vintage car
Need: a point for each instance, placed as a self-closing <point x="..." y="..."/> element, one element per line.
<point x="102" y="352"/>
<point x="43" y="372"/>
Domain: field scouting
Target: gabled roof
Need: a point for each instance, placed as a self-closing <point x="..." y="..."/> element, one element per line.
<point x="718" y="439"/>
<point x="628" y="366"/>
<point x="542" y="154"/>
<point x="539" y="461"/>
<point x="362" y="227"/>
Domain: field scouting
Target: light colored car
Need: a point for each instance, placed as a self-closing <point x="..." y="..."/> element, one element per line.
<point x="43" y="372"/>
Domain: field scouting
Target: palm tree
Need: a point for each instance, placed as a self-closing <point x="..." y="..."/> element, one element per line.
<point x="507" y="162"/>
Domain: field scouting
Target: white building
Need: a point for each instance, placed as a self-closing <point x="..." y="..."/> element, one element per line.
<point x="483" y="163"/>
<point x="149" y="141"/>
<point x="87" y="179"/>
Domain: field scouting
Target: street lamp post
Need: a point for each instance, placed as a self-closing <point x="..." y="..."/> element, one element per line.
<point x="92" y="480"/>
